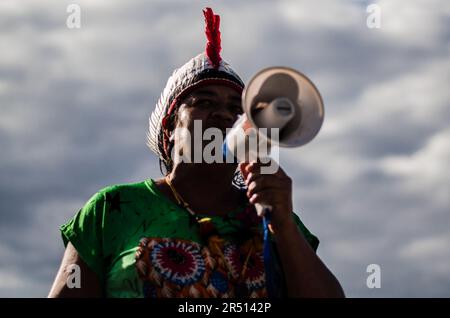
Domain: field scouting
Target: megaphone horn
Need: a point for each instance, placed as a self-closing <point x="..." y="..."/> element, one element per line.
<point x="281" y="97"/>
<point x="277" y="98"/>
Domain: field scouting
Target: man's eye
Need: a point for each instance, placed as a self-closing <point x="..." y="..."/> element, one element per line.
<point x="204" y="102"/>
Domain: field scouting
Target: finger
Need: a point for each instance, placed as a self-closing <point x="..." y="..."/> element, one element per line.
<point x="243" y="169"/>
<point x="263" y="189"/>
<point x="252" y="177"/>
<point x="249" y="164"/>
<point x="256" y="167"/>
<point x="257" y="182"/>
<point x="264" y="197"/>
<point x="253" y="166"/>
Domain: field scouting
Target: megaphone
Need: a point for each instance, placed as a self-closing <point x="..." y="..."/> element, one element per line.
<point x="282" y="107"/>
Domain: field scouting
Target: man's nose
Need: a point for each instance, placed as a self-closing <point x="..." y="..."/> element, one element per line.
<point x="223" y="113"/>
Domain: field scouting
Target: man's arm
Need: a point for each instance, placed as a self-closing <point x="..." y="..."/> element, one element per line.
<point x="90" y="284"/>
<point x="306" y="275"/>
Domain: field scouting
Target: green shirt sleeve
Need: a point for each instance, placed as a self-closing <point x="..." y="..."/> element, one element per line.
<point x="311" y="238"/>
<point x="85" y="233"/>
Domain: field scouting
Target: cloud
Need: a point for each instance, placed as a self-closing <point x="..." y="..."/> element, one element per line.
<point x="372" y="185"/>
<point x="417" y="23"/>
<point x="428" y="165"/>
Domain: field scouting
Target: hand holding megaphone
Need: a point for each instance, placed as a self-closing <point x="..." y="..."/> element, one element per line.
<point x="281" y="107"/>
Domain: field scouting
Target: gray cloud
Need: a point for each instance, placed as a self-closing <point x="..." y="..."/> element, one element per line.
<point x="372" y="185"/>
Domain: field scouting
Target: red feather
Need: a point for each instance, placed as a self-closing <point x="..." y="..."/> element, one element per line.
<point x="212" y="32"/>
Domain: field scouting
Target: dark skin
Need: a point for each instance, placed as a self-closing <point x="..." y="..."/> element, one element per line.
<point x="216" y="106"/>
<point x="219" y="106"/>
<point x="90" y="284"/>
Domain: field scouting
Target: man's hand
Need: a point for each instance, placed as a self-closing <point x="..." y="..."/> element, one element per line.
<point x="271" y="189"/>
<point x="306" y="274"/>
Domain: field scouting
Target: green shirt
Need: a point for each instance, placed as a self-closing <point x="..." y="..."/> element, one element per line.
<point x="141" y="244"/>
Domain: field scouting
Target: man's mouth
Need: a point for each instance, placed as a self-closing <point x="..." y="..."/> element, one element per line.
<point x="221" y="128"/>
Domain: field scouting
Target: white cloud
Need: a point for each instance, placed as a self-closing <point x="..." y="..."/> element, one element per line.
<point x="415" y="23"/>
<point x="417" y="98"/>
<point x="433" y="247"/>
<point x="427" y="171"/>
<point x="373" y="185"/>
<point x="314" y="15"/>
<point x="11" y="280"/>
<point x="425" y="249"/>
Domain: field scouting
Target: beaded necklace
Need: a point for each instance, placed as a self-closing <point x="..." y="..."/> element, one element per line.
<point x="205" y="222"/>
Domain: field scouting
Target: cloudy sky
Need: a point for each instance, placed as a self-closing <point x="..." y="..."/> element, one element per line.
<point x="373" y="186"/>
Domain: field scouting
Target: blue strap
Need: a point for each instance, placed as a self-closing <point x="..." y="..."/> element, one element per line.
<point x="274" y="274"/>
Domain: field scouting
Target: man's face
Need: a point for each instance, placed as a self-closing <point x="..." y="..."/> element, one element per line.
<point x="214" y="105"/>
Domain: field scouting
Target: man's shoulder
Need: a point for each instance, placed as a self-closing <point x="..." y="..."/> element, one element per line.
<point x="121" y="190"/>
<point x="124" y="187"/>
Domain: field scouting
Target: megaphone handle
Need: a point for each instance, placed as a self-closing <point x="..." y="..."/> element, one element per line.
<point x="262" y="209"/>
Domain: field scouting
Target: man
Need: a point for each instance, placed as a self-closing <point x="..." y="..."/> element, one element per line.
<point x="192" y="233"/>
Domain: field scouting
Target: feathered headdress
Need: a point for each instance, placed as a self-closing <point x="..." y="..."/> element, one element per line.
<point x="206" y="68"/>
